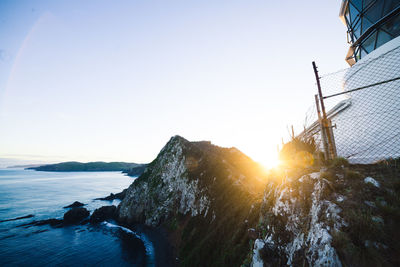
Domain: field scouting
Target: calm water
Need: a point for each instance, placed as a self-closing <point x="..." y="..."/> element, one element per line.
<point x="44" y="194"/>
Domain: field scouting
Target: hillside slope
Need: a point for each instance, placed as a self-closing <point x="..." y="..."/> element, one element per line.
<point x="206" y="197"/>
<point x="342" y="216"/>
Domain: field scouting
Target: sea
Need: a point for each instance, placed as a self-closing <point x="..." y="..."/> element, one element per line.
<point x="43" y="195"/>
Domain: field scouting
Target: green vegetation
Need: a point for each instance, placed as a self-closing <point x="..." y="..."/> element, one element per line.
<point x="339" y="162"/>
<point x="328" y="175"/>
<point x="350" y="175"/>
<point x="219" y="236"/>
<point x="222" y="240"/>
<point x="299" y="153"/>
<point x="372" y="215"/>
<point x="215" y="198"/>
<point x="370" y="236"/>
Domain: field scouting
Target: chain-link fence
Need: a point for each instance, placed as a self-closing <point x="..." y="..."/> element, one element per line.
<point x="363" y="103"/>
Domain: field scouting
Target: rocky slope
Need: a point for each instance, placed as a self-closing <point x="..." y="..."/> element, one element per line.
<point x="296" y="221"/>
<point x="205" y="196"/>
<point x="333" y="217"/>
<point x="219" y="208"/>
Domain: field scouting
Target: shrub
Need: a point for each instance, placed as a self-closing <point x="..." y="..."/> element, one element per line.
<point x="328" y="176"/>
<point x="389" y="211"/>
<point x="362" y="227"/>
<point x="339" y="163"/>
<point x="352" y="175"/>
<point x="247" y="261"/>
<point x="299" y="152"/>
<point x="390" y="162"/>
<point x="352" y="255"/>
<point x="341" y="241"/>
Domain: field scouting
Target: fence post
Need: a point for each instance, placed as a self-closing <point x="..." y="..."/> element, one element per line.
<point x="325" y="123"/>
<point x="323" y="136"/>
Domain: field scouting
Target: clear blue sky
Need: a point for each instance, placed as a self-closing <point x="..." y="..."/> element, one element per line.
<point x="114" y="80"/>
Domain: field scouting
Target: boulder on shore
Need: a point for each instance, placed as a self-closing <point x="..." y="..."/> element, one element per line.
<point x="76" y="204"/>
<point x="103" y="213"/>
<point x="75" y="215"/>
<point x="112" y="196"/>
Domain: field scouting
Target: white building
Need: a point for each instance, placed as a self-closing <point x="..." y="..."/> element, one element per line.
<point x="367" y="121"/>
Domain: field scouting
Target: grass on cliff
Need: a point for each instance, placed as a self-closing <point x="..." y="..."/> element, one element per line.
<point x="223" y="242"/>
<point x="371" y="237"/>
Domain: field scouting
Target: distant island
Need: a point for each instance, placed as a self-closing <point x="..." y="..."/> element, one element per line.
<point x="24" y="166"/>
<point x="73" y="166"/>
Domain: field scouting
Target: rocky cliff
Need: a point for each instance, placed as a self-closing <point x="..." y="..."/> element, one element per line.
<point x="221" y="209"/>
<point x="205" y="196"/>
<point x="296" y="222"/>
<point x="333" y="217"/>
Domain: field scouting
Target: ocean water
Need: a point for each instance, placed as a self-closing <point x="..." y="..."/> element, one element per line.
<point x="44" y="194"/>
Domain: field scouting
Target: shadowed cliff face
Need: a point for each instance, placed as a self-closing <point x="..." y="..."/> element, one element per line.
<point x="205" y="196"/>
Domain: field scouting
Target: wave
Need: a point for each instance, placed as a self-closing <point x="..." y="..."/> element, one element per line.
<point x="147" y="243"/>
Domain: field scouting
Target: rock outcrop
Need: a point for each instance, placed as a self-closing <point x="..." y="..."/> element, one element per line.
<point x="296" y="221"/>
<point x="103" y="213"/>
<point x="203" y="195"/>
<point x="335" y="216"/>
<point x="75" y="215"/>
<point x="113" y="196"/>
<point x="220" y="209"/>
<point x="76" y="204"/>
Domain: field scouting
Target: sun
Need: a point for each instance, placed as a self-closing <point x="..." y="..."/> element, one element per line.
<point x="270" y="162"/>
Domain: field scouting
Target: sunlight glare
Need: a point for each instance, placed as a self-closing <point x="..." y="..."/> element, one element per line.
<point x="271" y="162"/>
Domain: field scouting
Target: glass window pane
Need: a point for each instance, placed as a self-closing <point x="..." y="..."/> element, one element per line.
<point x="357" y="4"/>
<point x="353" y="12"/>
<point x="393" y="26"/>
<point x="357" y="30"/>
<point x="374" y="13"/>
<point x="383" y="37"/>
<point x="365" y="24"/>
<point x="390" y="5"/>
<point x="363" y="53"/>
<point x="368" y="2"/>
<point x="369" y="43"/>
